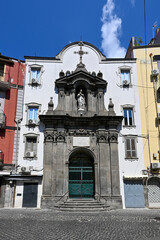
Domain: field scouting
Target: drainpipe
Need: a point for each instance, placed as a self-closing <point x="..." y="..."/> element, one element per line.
<point x="155" y="97"/>
<point x="17" y="125"/>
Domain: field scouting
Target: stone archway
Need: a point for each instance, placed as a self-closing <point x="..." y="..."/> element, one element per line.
<point x="81" y="175"/>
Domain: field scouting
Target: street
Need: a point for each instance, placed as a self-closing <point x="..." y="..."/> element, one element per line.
<point x="38" y="224"/>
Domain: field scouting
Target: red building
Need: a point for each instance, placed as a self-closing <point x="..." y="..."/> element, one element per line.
<point x="11" y="98"/>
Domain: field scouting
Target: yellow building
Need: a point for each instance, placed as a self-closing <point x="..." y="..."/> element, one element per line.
<point x="148" y="69"/>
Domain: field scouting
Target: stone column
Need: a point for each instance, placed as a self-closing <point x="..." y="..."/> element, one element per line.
<point x="96" y="176"/>
<point x="47" y="165"/>
<point x="104" y="165"/>
<point x="115" y="181"/>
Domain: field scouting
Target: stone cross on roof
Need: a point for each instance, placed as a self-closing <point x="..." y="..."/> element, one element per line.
<point x="81" y="52"/>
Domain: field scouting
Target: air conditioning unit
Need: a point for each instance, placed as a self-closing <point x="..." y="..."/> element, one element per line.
<point x="30" y="121"/>
<point x="155" y="165"/>
<point x="125" y="83"/>
<point x="23" y="169"/>
<point x="34" y="80"/>
<point x="30" y="154"/>
<point x="155" y="72"/>
<point x="34" y="121"/>
<point x="31" y="168"/>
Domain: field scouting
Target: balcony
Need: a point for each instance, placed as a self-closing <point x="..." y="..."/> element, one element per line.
<point x="4" y="81"/>
<point x="2" y="120"/>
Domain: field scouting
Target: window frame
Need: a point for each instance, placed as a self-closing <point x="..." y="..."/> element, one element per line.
<point x="35" y="152"/>
<point x="132" y="107"/>
<point x="35" y="67"/>
<point x="128" y="69"/>
<point x="34" y="106"/>
<point x="130" y="149"/>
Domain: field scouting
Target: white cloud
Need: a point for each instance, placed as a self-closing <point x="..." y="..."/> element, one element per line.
<point x="111" y="29"/>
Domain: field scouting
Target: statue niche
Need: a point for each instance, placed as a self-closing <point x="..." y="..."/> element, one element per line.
<point x="81" y="102"/>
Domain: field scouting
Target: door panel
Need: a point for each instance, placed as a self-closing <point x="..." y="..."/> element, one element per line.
<point x="134" y="194"/>
<point x="30" y="195"/>
<point x="81" y="178"/>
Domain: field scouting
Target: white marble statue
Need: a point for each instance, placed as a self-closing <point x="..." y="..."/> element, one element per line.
<point x="81" y="101"/>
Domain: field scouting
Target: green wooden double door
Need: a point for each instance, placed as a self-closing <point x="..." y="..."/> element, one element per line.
<point x="81" y="177"/>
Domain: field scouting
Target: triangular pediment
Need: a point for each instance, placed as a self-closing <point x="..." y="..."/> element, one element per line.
<point x="81" y="77"/>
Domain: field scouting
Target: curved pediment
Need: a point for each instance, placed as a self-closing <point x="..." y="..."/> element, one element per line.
<point x="86" y="45"/>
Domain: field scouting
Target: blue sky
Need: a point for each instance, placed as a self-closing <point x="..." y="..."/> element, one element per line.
<point x="44" y="27"/>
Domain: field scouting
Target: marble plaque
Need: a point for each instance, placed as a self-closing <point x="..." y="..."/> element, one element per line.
<point x="81" y="141"/>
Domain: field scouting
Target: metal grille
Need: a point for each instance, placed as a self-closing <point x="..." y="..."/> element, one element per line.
<point x="154" y="193"/>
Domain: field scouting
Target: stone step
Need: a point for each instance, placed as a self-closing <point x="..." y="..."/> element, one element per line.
<point x="83" y="209"/>
<point x="82" y="204"/>
<point x="81" y="200"/>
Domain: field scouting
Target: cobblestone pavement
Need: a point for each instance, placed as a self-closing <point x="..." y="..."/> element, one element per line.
<point x="25" y="224"/>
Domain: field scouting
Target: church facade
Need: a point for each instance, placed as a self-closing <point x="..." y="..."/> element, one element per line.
<point x="80" y="129"/>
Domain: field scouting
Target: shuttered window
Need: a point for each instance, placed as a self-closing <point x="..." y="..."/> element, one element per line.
<point x="131" y="148"/>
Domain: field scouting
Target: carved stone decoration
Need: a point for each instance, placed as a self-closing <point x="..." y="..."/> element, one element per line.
<point x="81" y="53"/>
<point x="50" y="106"/>
<point x="113" y="138"/>
<point x="60" y="137"/>
<point x="111" y="111"/>
<point x="81" y="132"/>
<point x="102" y="137"/>
<point x="48" y="137"/>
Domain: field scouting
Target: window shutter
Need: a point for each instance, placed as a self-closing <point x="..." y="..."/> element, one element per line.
<point x="36" y="114"/>
<point x="38" y="76"/>
<point x="34" y="74"/>
<point x="30" y="115"/>
<point x="133" y="148"/>
<point x="28" y="144"/>
<point x="130" y="117"/>
<point x="35" y="145"/>
<point x="128" y="148"/>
